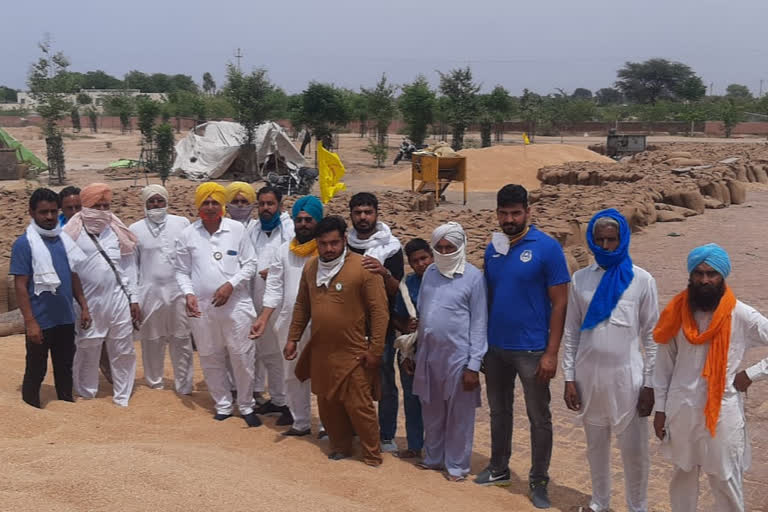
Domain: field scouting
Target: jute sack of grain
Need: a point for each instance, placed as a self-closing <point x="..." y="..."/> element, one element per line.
<point x="679" y="154"/>
<point x="11" y="294"/>
<point x="3" y="288"/>
<point x="683" y="162"/>
<point x="11" y="323"/>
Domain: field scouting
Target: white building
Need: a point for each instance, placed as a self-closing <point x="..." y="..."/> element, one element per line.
<point x="98" y="98"/>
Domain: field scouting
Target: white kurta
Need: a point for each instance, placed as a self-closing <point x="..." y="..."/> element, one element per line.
<point x="681" y="393"/>
<point x="269" y="358"/>
<point x="204" y="262"/>
<point x="607" y="362"/>
<point x="110" y="315"/>
<point x="164" y="319"/>
<point x="282" y="287"/>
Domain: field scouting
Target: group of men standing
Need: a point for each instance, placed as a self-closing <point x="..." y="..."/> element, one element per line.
<point x="298" y="303"/>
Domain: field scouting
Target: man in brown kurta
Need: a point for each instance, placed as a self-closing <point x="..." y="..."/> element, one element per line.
<point x="343" y="301"/>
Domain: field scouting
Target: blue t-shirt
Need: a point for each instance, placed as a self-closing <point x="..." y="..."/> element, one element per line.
<point x="62" y="220"/>
<point x="48" y="309"/>
<point x="413" y="283"/>
<point x="518" y="291"/>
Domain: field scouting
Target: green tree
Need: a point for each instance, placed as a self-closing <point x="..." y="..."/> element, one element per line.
<point x="250" y="97"/>
<point x="98" y="80"/>
<point x="417" y="103"/>
<point x="93" y="119"/>
<point x="485" y="120"/>
<point x="731" y="113"/>
<point x="691" y="89"/>
<point x="164" y="142"/>
<point x="148" y="110"/>
<point x="441" y="118"/>
<point x="8" y="95"/>
<point x="295" y="106"/>
<point x="654" y="113"/>
<point x="138" y="80"/>
<point x="358" y="109"/>
<point x="218" y="107"/>
<point x="74" y="115"/>
<point x="461" y="91"/>
<point x="738" y="92"/>
<point x="123" y="106"/>
<point x="324" y="111"/>
<point x="652" y="80"/>
<point x="381" y="106"/>
<point x="209" y="84"/>
<point x="581" y="93"/>
<point x="694" y="112"/>
<point x="501" y="107"/>
<point x="608" y="96"/>
<point x="83" y="99"/>
<point x="47" y="88"/>
<point x="531" y="111"/>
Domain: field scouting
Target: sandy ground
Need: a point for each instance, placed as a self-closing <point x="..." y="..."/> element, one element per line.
<point x="165" y="452"/>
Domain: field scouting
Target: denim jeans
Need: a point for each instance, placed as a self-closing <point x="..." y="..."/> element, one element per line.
<point x="388" y="403"/>
<point x="414" y="423"/>
<point x="501" y="369"/>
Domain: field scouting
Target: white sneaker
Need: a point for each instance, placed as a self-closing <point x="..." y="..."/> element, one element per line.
<point x="388" y="445"/>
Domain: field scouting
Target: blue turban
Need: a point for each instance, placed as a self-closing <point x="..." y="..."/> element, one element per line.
<point x="713" y="255"/>
<point x="618" y="270"/>
<point x="309" y="204"/>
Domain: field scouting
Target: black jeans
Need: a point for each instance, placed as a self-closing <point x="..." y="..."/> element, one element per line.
<point x="501" y="368"/>
<point x="60" y="340"/>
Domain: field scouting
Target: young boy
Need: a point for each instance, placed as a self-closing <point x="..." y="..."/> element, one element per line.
<point x="419" y="255"/>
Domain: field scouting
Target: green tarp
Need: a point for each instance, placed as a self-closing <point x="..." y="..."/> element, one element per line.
<point x="124" y="163"/>
<point x="22" y="154"/>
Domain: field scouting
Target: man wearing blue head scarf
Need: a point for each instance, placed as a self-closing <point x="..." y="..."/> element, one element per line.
<point x="703" y="334"/>
<point x="609" y="356"/>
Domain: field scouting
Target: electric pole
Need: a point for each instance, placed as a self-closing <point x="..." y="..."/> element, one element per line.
<point x="238" y="56"/>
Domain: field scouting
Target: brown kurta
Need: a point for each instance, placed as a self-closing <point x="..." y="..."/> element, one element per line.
<point x="355" y="302"/>
<point x="339" y="318"/>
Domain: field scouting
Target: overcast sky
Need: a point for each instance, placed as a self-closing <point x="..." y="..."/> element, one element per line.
<point x="538" y="44"/>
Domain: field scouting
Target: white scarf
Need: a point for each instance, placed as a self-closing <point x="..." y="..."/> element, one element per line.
<point x="44" y="273"/>
<point x="381" y="244"/>
<point x="453" y="263"/>
<point x="327" y="270"/>
<point x="156" y="220"/>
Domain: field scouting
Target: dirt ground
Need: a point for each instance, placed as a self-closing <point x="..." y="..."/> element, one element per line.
<point x="165" y="452"/>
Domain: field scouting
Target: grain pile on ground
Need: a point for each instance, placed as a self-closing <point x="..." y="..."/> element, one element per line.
<point x="488" y="169"/>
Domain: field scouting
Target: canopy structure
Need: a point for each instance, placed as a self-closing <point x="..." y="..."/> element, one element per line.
<point x="213" y="150"/>
<point x="22" y="154"/>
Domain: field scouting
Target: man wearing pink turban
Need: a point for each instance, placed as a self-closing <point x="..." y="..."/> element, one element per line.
<point x="107" y="276"/>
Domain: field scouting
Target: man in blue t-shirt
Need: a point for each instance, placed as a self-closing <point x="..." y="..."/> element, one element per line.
<point x="420" y="256"/>
<point x="45" y="285"/>
<point x="70" y="204"/>
<point x="527" y="278"/>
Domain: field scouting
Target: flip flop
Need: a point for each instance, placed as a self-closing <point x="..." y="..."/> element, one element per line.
<point x="452" y="478"/>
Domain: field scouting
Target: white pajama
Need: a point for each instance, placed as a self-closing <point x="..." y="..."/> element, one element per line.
<point x="681" y="393"/>
<point x="633" y="444"/>
<point x="269" y="354"/>
<point x="684" y="491"/>
<point x="282" y="287"/>
<point x="609" y="365"/>
<point x="111" y="319"/>
<point x="163" y="306"/>
<point x="204" y="262"/>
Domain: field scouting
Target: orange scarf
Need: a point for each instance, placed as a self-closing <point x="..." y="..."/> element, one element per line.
<point x="678" y="314"/>
<point x="304" y="250"/>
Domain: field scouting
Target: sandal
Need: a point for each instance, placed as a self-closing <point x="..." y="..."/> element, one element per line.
<point x="453" y="478"/>
<point x="422" y="465"/>
<point x="407" y="454"/>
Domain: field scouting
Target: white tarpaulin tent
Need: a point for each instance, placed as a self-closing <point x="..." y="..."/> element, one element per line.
<point x="210" y="154"/>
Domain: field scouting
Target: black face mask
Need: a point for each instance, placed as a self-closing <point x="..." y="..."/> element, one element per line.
<point x="705" y="297"/>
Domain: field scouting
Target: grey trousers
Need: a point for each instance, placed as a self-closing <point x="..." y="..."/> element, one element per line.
<point x="501" y="369"/>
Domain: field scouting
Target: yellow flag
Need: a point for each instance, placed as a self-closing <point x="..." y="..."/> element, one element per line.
<point x="526" y="140"/>
<point x="331" y="171"/>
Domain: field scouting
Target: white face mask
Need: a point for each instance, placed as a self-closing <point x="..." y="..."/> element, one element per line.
<point x="451" y="264"/>
<point x="157" y="215"/>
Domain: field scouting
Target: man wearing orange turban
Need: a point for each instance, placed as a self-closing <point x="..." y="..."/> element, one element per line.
<point x="107" y="281"/>
<point x="215" y="262"/>
<point x="703" y="334"/>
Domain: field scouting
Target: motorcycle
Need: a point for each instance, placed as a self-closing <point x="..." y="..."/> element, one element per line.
<point x="295" y="182"/>
<point x="406" y="150"/>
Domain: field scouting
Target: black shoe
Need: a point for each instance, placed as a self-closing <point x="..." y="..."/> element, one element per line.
<point x="221" y="417"/>
<point x="322" y="434"/>
<point x="297" y="433"/>
<point x="337" y="456"/>
<point x="286" y="418"/>
<point x="539" y="494"/>
<point x="252" y="420"/>
<point x="269" y="408"/>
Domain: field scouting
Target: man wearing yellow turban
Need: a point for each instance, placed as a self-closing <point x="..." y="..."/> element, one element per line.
<point x="215" y="262"/>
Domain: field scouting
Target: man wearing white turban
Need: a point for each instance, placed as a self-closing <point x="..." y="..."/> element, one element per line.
<point x="163" y="305"/>
<point x="453" y="316"/>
